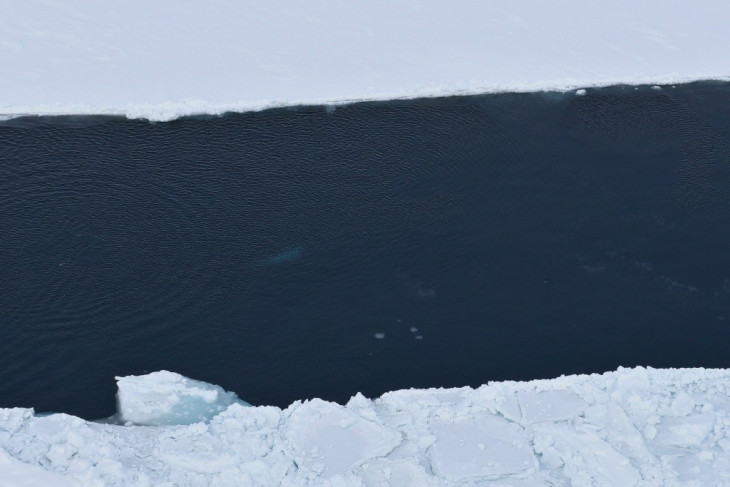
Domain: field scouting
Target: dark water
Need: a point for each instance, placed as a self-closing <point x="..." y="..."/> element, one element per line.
<point x="524" y="236"/>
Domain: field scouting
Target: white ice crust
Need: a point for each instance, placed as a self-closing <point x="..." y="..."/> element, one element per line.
<point x="630" y="427"/>
<point x="159" y="60"/>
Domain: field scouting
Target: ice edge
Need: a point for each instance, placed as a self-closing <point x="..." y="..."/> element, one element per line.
<point x="170" y="111"/>
<point x="637" y="426"/>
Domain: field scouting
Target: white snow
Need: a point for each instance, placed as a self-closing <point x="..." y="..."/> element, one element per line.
<point x="639" y="426"/>
<point x="160" y="60"/>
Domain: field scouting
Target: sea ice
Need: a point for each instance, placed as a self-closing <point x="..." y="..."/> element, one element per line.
<point x="171" y="59"/>
<point x="487" y="447"/>
<point x="332" y="439"/>
<point x="14" y="473"/>
<point x="631" y="427"/>
<point x="167" y="398"/>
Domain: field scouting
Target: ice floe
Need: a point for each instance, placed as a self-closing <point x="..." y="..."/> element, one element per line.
<point x="166" y="398"/>
<point x="163" y="60"/>
<point x="638" y="426"/>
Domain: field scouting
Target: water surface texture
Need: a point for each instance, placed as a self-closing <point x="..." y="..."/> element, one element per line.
<point x="315" y="252"/>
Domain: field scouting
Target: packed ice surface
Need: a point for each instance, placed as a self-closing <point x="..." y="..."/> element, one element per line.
<point x="643" y="427"/>
<point x="14" y="473"/>
<point x="160" y="60"/>
<point x="167" y="398"/>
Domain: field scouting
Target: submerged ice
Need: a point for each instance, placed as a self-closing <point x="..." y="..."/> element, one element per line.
<point x="283" y="257"/>
<point x="166" y="398"/>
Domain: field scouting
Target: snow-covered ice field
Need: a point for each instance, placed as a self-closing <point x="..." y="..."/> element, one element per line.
<point x="630" y="427"/>
<point x="160" y="60"/>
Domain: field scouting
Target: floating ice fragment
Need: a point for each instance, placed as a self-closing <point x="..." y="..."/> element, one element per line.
<point x="167" y="398"/>
<point x="414" y="329"/>
<point x="380" y="336"/>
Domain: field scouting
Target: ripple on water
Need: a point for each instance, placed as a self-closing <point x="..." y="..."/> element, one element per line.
<point x="257" y="250"/>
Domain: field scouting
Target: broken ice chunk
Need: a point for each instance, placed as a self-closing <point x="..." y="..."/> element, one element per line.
<point x="167" y="398"/>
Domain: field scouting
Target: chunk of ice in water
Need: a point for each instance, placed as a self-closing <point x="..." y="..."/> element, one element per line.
<point x="167" y="398"/>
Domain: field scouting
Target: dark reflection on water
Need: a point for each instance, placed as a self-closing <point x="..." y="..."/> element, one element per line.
<point x="520" y="236"/>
